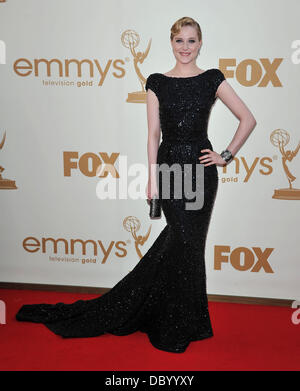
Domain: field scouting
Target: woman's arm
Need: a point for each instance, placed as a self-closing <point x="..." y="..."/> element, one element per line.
<point x="247" y="121"/>
<point x="153" y="140"/>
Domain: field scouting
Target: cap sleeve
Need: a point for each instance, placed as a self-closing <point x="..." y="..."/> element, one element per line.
<point x="218" y="79"/>
<point x="153" y="83"/>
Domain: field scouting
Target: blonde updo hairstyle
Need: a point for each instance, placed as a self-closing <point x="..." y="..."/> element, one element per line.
<point x="185" y="21"/>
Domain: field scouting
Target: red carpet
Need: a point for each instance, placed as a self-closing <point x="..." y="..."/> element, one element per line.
<point x="247" y="337"/>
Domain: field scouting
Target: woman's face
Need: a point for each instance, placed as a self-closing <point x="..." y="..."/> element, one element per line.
<point x="186" y="45"/>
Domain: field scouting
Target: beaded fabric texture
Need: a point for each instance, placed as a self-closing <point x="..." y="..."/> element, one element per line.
<point x="164" y="295"/>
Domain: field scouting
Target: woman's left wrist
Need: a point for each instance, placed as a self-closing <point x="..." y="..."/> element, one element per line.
<point x="226" y="155"/>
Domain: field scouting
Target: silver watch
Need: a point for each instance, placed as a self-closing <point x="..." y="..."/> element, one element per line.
<point x="226" y="155"/>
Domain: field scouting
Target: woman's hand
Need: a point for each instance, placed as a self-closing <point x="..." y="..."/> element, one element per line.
<point x="211" y="157"/>
<point x="151" y="189"/>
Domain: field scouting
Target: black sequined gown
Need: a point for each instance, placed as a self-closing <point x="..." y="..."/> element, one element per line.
<point x="165" y="294"/>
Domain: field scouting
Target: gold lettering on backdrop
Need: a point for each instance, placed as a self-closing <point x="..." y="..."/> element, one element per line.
<point x="5" y="183"/>
<point x="253" y="259"/>
<point x="280" y="138"/>
<point x="241" y="164"/>
<point x="23" y="67"/>
<point x="70" y="246"/>
<point x="88" y="248"/>
<point x="90" y="164"/>
<point x="251" y="72"/>
<point x="131" y="39"/>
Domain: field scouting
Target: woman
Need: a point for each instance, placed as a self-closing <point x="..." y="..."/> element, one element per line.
<point x="165" y="294"/>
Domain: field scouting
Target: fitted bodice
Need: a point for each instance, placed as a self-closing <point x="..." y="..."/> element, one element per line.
<point x="185" y="103"/>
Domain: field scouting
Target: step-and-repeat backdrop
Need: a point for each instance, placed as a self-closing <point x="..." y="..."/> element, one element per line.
<point x="73" y="140"/>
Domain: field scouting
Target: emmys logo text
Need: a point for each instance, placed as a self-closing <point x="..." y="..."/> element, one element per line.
<point x="97" y="248"/>
<point x="2" y="312"/>
<point x="118" y="248"/>
<point x="296" y="314"/>
<point x="243" y="258"/>
<point x="2" y="52"/>
<point x="245" y="168"/>
<point x="251" y="72"/>
<point x="63" y="68"/>
<point x="87" y="68"/>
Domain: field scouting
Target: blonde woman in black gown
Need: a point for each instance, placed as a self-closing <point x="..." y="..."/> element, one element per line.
<point x="165" y="294"/>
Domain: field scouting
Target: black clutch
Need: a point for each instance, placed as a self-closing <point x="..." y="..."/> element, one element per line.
<point x="155" y="208"/>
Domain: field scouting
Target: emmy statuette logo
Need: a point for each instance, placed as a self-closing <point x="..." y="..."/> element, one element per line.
<point x="132" y="224"/>
<point x="4" y="182"/>
<point x="130" y="39"/>
<point x="280" y="138"/>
